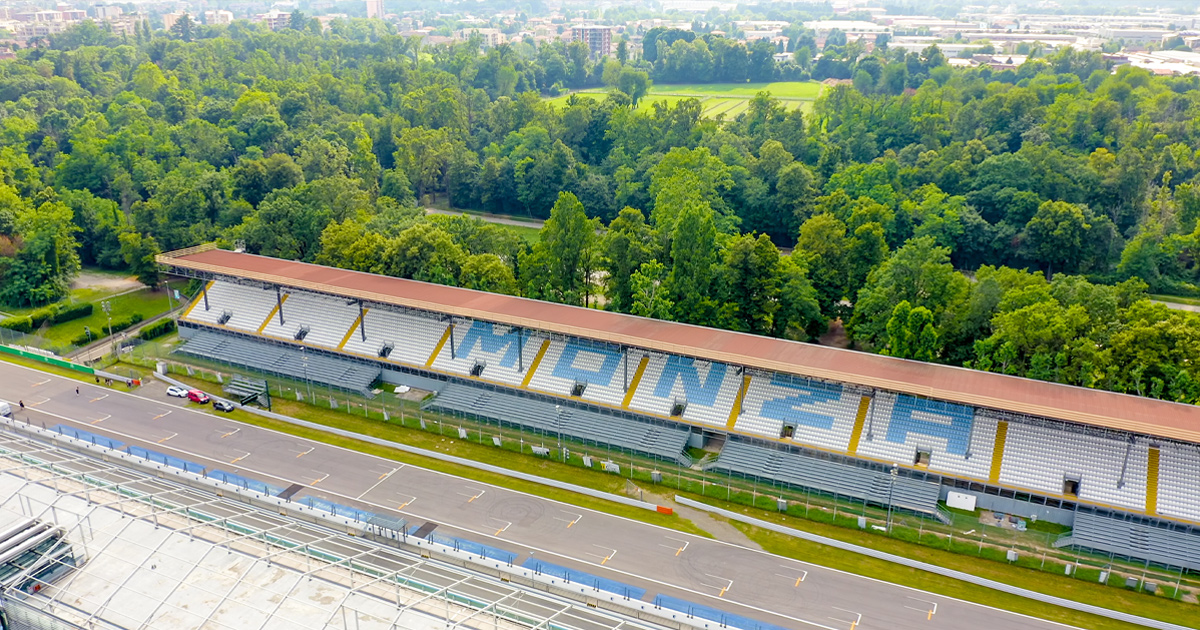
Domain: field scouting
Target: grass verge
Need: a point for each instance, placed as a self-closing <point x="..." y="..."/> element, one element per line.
<point x="1176" y="299"/>
<point x="1154" y="607"/>
<point x="595" y="480"/>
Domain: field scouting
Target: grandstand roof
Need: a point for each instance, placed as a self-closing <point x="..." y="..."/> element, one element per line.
<point x="970" y="387"/>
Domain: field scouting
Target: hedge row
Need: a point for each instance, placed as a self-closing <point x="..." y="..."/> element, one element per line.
<point x="68" y="311"/>
<point x="39" y="317"/>
<point x="20" y="323"/>
<point x="54" y="313"/>
<point x="117" y="326"/>
<point x="157" y="329"/>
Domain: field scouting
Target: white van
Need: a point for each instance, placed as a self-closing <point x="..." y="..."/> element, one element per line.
<point x="5" y="409"/>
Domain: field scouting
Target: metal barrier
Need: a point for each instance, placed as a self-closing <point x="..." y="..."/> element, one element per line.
<point x="933" y="568"/>
<point x="444" y="457"/>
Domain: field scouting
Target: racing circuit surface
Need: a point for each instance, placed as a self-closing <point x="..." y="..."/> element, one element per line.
<point x="647" y="560"/>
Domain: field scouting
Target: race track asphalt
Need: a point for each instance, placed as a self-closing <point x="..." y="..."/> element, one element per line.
<point x="723" y="576"/>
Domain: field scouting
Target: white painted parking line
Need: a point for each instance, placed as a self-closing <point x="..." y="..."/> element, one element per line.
<point x="165" y="413"/>
<point x="792" y="575"/>
<point x="166" y="438"/>
<point x="603" y="557"/>
<point x="724" y="589"/>
<point x="40" y="383"/>
<point x="929" y="611"/>
<point x="678" y="547"/>
<point x="569" y="521"/>
<point x="100" y="397"/>
<point x="238" y="459"/>
<point x="507" y="524"/>
<point x="853" y="624"/>
<point x="303" y="453"/>
<point x="231" y="433"/>
<point x="37" y="402"/>
<point x="406" y="503"/>
<point x="382" y="478"/>
<point x="265" y="475"/>
<point x="319" y="478"/>
<point x="98" y="420"/>
<point x="472" y="497"/>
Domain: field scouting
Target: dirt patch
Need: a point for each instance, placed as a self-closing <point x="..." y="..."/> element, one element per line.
<point x="104" y="282"/>
<point x="835" y="336"/>
<point x="718" y="526"/>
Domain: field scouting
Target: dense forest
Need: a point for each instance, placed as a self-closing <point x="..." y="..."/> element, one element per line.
<point x="1013" y="221"/>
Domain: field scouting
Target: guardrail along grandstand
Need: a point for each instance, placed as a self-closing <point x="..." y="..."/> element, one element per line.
<point x="149" y="540"/>
<point x="873" y="428"/>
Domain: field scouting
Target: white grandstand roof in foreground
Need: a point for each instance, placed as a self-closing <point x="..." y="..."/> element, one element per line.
<point x="189" y="559"/>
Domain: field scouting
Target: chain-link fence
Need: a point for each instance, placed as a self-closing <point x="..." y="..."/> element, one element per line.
<point x="981" y="534"/>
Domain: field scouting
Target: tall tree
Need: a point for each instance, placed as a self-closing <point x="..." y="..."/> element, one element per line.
<point x="626" y="245"/>
<point x="1055" y="235"/>
<point x="569" y="245"/>
<point x="694" y="257"/>
<point x="920" y="273"/>
<point x="750" y="278"/>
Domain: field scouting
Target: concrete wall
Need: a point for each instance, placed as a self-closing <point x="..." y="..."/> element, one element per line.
<point x="1013" y="506"/>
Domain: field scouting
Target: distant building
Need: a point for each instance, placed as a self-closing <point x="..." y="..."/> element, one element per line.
<point x="1135" y="35"/>
<point x="169" y="19"/>
<point x="375" y="9"/>
<point x="492" y="37"/>
<point x="275" y="19"/>
<point x="106" y="12"/>
<point x="218" y="17"/>
<point x="125" y="24"/>
<point x="597" y="38"/>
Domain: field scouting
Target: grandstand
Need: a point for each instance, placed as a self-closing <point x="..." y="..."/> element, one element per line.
<point x="807" y="416"/>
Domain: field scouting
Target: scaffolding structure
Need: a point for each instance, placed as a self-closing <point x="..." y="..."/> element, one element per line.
<point x="160" y="554"/>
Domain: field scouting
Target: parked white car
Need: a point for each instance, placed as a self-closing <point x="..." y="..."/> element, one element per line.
<point x="177" y="392"/>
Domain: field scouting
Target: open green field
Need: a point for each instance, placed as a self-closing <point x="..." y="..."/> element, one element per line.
<point x="727" y="99"/>
<point x="144" y="301"/>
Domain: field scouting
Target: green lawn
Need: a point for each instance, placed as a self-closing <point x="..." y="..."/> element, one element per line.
<point x="729" y="99"/>
<point x="1157" y="607"/>
<point x="805" y="90"/>
<point x="1154" y="607"/>
<point x="1175" y="299"/>
<point x="530" y="234"/>
<point x="148" y="303"/>
<point x="597" y="480"/>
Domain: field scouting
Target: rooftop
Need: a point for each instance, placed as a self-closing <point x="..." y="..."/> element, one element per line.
<point x="162" y="554"/>
<point x="954" y="384"/>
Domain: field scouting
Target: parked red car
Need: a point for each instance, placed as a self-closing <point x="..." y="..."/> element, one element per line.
<point x="197" y="396"/>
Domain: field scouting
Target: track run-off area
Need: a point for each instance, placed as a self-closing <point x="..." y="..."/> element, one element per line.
<point x="647" y="560"/>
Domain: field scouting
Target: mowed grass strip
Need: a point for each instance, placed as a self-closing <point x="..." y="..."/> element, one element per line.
<point x="804" y="90"/>
<point x="1155" y="607"/>
<point x="487" y="454"/>
<point x="1159" y="607"/>
<point x="792" y="93"/>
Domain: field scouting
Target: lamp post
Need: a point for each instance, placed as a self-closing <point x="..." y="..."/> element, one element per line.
<point x="307" y="383"/>
<point x="107" y="306"/>
<point x="891" y="490"/>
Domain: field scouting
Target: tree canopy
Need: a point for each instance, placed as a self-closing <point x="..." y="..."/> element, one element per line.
<point x="1010" y="221"/>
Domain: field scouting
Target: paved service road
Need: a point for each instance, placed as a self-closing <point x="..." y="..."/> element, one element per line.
<point x="724" y="576"/>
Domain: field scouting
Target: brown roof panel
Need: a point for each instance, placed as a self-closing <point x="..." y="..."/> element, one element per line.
<point x="954" y="384"/>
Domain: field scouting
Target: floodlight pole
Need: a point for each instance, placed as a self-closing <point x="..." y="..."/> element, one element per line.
<point x="891" y="490"/>
<point x="107" y="306"/>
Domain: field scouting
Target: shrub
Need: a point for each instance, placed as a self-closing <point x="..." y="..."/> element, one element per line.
<point x="68" y="312"/>
<point x="19" y="324"/>
<point x="102" y="332"/>
<point x="157" y="329"/>
<point x="39" y="317"/>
